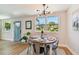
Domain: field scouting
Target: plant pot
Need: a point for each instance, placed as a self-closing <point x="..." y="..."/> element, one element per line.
<point x="23" y="41"/>
<point x="28" y="37"/>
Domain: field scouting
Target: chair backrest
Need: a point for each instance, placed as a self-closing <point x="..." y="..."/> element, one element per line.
<point x="55" y="44"/>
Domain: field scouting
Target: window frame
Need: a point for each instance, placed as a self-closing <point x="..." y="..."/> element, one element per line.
<point x="46" y="24"/>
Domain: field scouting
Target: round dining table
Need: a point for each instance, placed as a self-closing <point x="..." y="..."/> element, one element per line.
<point x="44" y="42"/>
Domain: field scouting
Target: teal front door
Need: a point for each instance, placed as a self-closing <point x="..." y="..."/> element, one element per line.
<point x="17" y="30"/>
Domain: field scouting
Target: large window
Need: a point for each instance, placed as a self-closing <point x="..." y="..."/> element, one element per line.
<point x="49" y="23"/>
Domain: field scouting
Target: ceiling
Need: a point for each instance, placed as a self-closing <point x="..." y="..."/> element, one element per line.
<point x="28" y="9"/>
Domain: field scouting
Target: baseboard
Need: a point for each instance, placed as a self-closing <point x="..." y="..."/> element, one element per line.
<point x="63" y="45"/>
<point x="8" y="40"/>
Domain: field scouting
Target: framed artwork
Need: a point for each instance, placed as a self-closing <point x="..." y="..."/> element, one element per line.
<point x="7" y="26"/>
<point x="28" y="24"/>
<point x="76" y="21"/>
<point x="76" y="24"/>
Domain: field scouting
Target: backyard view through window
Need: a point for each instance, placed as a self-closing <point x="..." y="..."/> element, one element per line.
<point x="49" y="23"/>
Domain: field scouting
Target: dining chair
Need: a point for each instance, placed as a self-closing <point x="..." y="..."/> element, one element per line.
<point x="55" y="46"/>
<point x="33" y="49"/>
<point x="30" y="48"/>
<point x="36" y="48"/>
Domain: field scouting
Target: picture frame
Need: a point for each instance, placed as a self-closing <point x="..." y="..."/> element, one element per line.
<point x="28" y="24"/>
<point x="75" y="21"/>
<point x="7" y="25"/>
<point x="76" y="24"/>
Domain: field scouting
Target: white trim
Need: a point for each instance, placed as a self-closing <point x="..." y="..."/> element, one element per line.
<point x="46" y="23"/>
<point x="8" y="39"/>
<point x="73" y="52"/>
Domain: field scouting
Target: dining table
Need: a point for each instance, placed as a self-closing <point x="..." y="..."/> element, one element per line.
<point x="44" y="41"/>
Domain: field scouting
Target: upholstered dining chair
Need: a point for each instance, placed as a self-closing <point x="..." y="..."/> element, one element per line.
<point x="36" y="48"/>
<point x="33" y="49"/>
<point x="55" y="46"/>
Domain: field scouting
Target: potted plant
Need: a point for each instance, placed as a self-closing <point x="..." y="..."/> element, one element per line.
<point x="24" y="39"/>
<point x="28" y="34"/>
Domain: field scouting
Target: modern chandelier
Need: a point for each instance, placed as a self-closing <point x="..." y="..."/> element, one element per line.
<point x="44" y="11"/>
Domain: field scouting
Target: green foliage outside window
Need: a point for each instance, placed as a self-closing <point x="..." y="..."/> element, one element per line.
<point x="51" y="24"/>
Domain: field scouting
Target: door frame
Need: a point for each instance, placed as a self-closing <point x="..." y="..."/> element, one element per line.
<point x="14" y="29"/>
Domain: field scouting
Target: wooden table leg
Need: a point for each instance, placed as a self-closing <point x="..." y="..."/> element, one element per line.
<point x="45" y="50"/>
<point x="50" y="51"/>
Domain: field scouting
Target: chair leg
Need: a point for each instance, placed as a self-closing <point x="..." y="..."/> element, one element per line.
<point x="55" y="51"/>
<point x="28" y="51"/>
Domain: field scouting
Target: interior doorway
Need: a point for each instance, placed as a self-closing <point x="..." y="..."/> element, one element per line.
<point x="17" y="30"/>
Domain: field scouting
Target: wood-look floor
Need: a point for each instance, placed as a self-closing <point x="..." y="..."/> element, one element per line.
<point x="13" y="48"/>
<point x="66" y="50"/>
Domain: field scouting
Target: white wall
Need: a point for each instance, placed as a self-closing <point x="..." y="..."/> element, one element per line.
<point x="0" y="28"/>
<point x="62" y="34"/>
<point x="73" y="35"/>
<point x="23" y="20"/>
<point x="7" y="35"/>
<point x="66" y="33"/>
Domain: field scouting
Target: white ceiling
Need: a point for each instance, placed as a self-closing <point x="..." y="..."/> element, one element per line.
<point x="28" y="9"/>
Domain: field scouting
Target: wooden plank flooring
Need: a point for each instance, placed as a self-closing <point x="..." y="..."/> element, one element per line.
<point x="66" y="50"/>
<point x="13" y="48"/>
